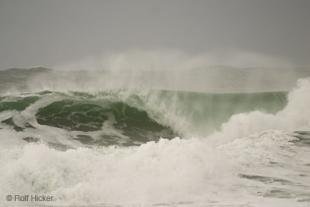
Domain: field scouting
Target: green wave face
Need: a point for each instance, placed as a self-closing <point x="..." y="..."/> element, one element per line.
<point x="18" y="104"/>
<point x="81" y="116"/>
<point x="112" y="118"/>
<point x="207" y="112"/>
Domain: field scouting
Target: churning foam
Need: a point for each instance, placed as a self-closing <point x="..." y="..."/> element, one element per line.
<point x="295" y="116"/>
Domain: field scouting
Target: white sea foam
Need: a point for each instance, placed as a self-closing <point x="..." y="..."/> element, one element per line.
<point x="295" y="116"/>
<point x="164" y="172"/>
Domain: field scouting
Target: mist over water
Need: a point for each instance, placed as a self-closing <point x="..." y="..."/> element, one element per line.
<point x="168" y="70"/>
<point x="158" y="128"/>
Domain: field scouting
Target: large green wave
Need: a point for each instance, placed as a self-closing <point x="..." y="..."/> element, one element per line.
<point x="137" y="115"/>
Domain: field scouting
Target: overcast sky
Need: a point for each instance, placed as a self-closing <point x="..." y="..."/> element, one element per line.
<point x="52" y="32"/>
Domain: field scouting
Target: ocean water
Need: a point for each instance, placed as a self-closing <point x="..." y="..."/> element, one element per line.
<point x="108" y="146"/>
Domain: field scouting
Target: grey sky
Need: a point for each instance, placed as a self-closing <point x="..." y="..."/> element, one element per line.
<point x="51" y="32"/>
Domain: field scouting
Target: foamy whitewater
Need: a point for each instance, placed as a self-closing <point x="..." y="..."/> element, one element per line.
<point x="96" y="145"/>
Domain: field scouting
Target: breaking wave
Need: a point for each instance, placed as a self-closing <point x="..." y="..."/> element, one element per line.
<point x="138" y="147"/>
<point x="122" y="117"/>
